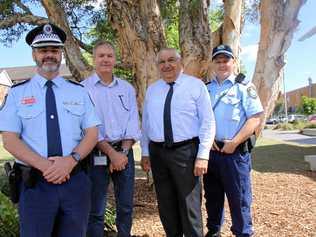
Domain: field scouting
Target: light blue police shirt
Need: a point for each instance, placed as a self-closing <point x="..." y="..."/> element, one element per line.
<point x="191" y="113"/>
<point x="239" y="104"/>
<point x="25" y="113"/>
<point x="116" y="107"/>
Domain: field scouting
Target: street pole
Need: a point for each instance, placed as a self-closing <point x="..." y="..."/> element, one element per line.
<point x="284" y="93"/>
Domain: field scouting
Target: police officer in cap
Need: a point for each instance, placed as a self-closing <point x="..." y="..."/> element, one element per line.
<point x="237" y="110"/>
<point x="49" y="125"/>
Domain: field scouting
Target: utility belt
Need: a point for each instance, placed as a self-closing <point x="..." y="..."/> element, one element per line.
<point x="29" y="176"/>
<point x="194" y="140"/>
<point x="244" y="147"/>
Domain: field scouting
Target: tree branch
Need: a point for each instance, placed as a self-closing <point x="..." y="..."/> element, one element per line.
<point x="83" y="45"/>
<point x="23" y="7"/>
<point x="22" y="18"/>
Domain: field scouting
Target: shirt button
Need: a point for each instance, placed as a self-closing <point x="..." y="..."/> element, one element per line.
<point x="52" y="116"/>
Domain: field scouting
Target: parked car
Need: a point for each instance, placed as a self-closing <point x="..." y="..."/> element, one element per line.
<point x="312" y="118"/>
<point x="272" y="120"/>
<point x="296" y="117"/>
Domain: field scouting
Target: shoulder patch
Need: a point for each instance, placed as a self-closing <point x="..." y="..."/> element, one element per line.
<point x="75" y="83"/>
<point x="3" y="102"/>
<point x="20" y="83"/>
<point x="252" y="92"/>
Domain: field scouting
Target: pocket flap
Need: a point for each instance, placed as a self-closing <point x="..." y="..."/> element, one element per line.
<point x="77" y="110"/>
<point x="28" y="112"/>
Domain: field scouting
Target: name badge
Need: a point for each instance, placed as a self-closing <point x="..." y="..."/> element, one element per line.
<point x="100" y="160"/>
<point x="72" y="103"/>
<point x="28" y="100"/>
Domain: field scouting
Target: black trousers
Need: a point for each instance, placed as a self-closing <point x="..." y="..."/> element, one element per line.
<point x="178" y="190"/>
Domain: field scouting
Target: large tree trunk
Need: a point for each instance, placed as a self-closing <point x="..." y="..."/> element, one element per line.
<point x="278" y="22"/>
<point x="195" y="36"/>
<point x="140" y="33"/>
<point x="79" y="68"/>
<point x="230" y="30"/>
<point x="232" y="23"/>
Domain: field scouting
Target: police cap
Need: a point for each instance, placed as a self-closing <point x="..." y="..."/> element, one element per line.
<point x="46" y="35"/>
<point x="222" y="49"/>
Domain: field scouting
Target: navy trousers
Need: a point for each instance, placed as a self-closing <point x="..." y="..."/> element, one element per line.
<point x="229" y="174"/>
<point x="61" y="209"/>
<point x="124" y="190"/>
<point x="178" y="190"/>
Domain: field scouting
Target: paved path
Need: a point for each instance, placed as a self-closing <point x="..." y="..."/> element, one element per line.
<point x="289" y="136"/>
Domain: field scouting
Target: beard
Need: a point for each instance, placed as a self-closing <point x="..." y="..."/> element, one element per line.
<point x="53" y="65"/>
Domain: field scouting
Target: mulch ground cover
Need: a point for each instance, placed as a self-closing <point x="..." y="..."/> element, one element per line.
<point x="284" y="195"/>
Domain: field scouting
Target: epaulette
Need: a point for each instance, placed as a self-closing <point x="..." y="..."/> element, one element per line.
<point x="240" y="78"/>
<point x="75" y="82"/>
<point x="20" y="83"/>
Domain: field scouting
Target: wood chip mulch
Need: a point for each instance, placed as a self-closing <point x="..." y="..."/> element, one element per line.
<point x="284" y="204"/>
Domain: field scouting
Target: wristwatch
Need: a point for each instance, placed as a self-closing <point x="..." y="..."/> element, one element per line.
<point x="75" y="155"/>
<point x="125" y="151"/>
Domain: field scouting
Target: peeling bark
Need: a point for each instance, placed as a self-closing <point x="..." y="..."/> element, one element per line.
<point x="232" y="24"/>
<point x="140" y="35"/>
<point x="79" y="68"/>
<point x="278" y="22"/>
<point x="195" y="37"/>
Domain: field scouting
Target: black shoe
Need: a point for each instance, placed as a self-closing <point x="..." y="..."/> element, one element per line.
<point x="210" y="234"/>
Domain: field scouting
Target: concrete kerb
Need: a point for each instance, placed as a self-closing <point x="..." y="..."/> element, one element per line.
<point x="311" y="159"/>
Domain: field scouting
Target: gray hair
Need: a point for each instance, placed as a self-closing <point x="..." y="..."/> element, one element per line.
<point x="178" y="56"/>
<point x="100" y="43"/>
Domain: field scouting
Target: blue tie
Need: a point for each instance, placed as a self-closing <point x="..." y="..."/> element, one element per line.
<point x="54" y="147"/>
<point x="167" y="117"/>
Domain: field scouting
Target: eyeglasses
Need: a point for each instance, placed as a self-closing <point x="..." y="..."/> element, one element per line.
<point x="169" y="60"/>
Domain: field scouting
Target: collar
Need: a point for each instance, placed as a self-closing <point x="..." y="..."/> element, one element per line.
<point x="42" y="80"/>
<point x="179" y="79"/>
<point x="97" y="79"/>
<point x="230" y="79"/>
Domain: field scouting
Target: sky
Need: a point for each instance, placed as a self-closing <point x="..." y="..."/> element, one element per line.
<point x="300" y="57"/>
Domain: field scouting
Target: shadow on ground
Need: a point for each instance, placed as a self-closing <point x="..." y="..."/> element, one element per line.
<point x="283" y="158"/>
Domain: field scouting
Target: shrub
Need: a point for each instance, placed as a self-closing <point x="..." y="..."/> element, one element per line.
<point x="299" y="125"/>
<point x="109" y="219"/>
<point x="284" y="126"/>
<point x="310" y="125"/>
<point x="9" y="223"/>
<point x="4" y="183"/>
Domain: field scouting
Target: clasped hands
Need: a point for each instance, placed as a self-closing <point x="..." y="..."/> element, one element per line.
<point x="57" y="169"/>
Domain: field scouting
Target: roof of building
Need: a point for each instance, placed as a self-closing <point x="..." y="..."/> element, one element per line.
<point x="23" y="73"/>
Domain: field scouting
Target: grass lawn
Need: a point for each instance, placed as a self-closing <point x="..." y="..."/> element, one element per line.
<point x="276" y="156"/>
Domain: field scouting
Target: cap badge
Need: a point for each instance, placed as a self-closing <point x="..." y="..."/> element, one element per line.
<point x="47" y="29"/>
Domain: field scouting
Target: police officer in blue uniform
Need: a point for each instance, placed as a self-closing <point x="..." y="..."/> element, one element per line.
<point x="237" y="110"/>
<point x="49" y="125"/>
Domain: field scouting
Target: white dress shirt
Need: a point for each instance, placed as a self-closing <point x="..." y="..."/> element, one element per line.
<point x="191" y="114"/>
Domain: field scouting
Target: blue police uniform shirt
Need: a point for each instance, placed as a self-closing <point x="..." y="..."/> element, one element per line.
<point x="239" y="104"/>
<point x="25" y="113"/>
<point x="191" y="114"/>
<point x="116" y="106"/>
